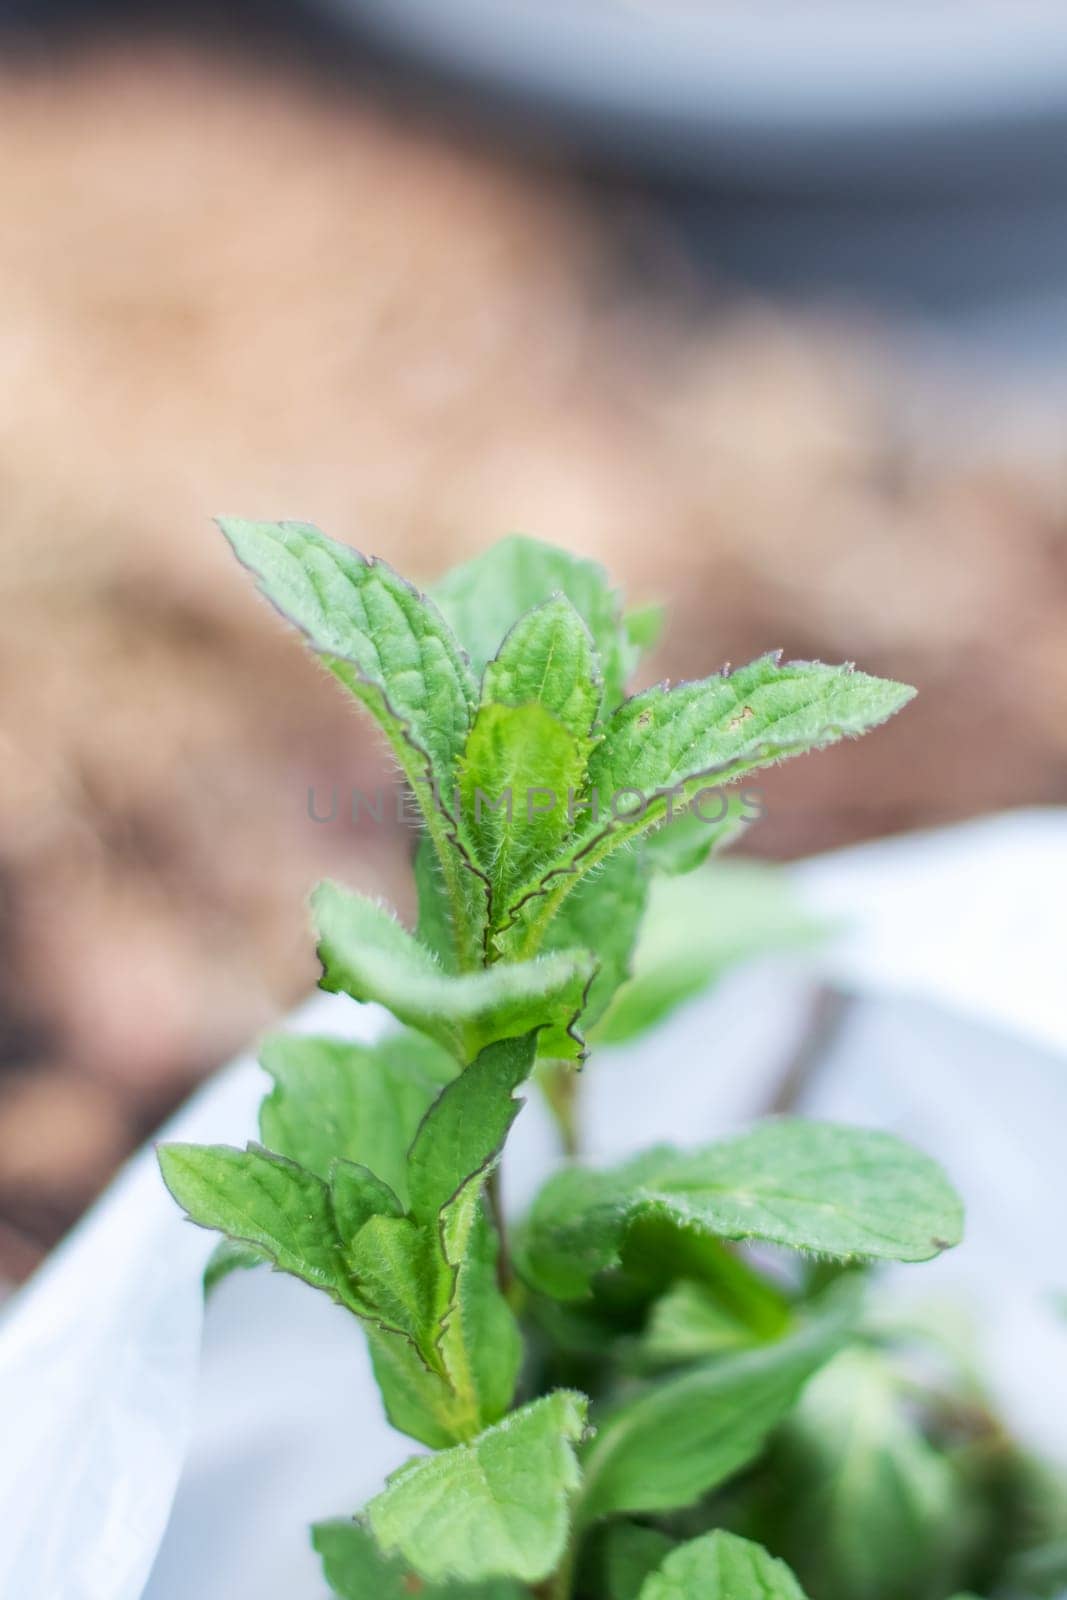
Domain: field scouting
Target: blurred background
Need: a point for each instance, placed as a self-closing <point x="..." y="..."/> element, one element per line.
<point x="766" y="311"/>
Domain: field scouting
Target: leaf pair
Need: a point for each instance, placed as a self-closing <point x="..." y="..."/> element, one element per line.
<point x="718" y="1566"/>
<point x="502" y="703"/>
<point x="415" y="1261"/>
<point x="367" y="954"/>
<point x="517" y="723"/>
<point x="501" y="1506"/>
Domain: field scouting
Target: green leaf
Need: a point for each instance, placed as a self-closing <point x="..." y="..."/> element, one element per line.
<point x="417" y="1401"/>
<point x="362" y="1103"/>
<point x="357" y="1570"/>
<point x="464" y="1130"/>
<point x="689" y="1323"/>
<point x="436" y="927"/>
<point x="496" y="1507"/>
<point x="548" y="658"/>
<point x="694" y="931"/>
<point x="644" y="625"/>
<point x="849" y="1193"/>
<point x="385" y="641"/>
<point x="265" y="1201"/>
<point x="520" y="767"/>
<point x="735" y="722"/>
<point x="432" y="1277"/>
<point x="453" y="1153"/>
<point x="667" y="746"/>
<point x="397" y="1271"/>
<point x="720" y="1566"/>
<point x="694" y="833"/>
<point x="663" y="749"/>
<point x="485" y="596"/>
<point x="854" y="1464"/>
<point x="683" y="1436"/>
<point x="662" y="1263"/>
<point x="392" y="649"/>
<point x="367" y="954"/>
<point x="357" y="1195"/>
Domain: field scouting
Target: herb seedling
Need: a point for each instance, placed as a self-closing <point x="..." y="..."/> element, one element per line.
<point x="620" y="1401"/>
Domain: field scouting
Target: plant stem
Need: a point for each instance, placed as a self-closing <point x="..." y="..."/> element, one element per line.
<point x="560" y="1083"/>
<point x="830" y="1009"/>
<point x="559" y="1586"/>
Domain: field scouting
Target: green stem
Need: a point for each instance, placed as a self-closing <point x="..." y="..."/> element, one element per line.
<point x="560" y="1084"/>
<point x="561" y="1583"/>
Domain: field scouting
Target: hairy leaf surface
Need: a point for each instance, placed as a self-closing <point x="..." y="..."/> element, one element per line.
<point x="357" y="1195"/>
<point x="668" y="737"/>
<point x="436" y="928"/>
<point x="548" y="658"/>
<point x="394" y="1265"/>
<point x="456" y="1147"/>
<point x="464" y="1131"/>
<point x="519" y="767"/>
<point x="356" y="1569"/>
<point x="850" y="1193"/>
<point x="676" y="742"/>
<point x="496" y="1507"/>
<point x="391" y="648"/>
<point x="386" y="642"/>
<point x="265" y="1201"/>
<point x="419" y="1402"/>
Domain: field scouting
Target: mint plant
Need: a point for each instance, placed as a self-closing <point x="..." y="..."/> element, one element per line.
<point x="661" y="1381"/>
